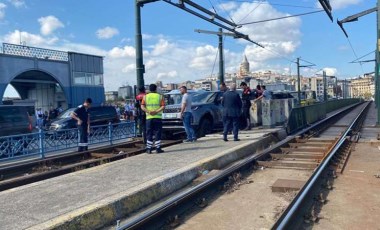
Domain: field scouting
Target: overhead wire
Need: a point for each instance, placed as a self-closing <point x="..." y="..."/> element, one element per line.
<point x="217" y="51"/>
<point x="352" y="48"/>
<point x="258" y="4"/>
<point x="266" y="48"/>
<point x="364" y="56"/>
<point x="224" y="9"/>
<point x="275" y="4"/>
<point x="273" y="19"/>
<point x="212" y="7"/>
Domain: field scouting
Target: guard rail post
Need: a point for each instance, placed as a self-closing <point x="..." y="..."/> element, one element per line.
<point x="110" y="132"/>
<point x="41" y="143"/>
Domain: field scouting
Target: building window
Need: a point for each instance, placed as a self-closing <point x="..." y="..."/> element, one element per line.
<point x="81" y="78"/>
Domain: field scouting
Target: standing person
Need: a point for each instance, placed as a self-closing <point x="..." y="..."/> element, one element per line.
<point x="259" y="91"/>
<point x="45" y="119"/>
<point x="132" y="112"/>
<point x="40" y="118"/>
<point x="141" y="116"/>
<point x="246" y="99"/>
<point x="186" y="114"/>
<point x="153" y="104"/>
<point x="267" y="94"/>
<point x="223" y="88"/>
<point x="231" y="111"/>
<point x="81" y="114"/>
<point x="59" y="109"/>
<point x="53" y="113"/>
<point x="126" y="111"/>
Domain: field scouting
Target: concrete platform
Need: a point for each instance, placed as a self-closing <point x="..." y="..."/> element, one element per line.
<point x="354" y="203"/>
<point x="92" y="198"/>
<point x="370" y="130"/>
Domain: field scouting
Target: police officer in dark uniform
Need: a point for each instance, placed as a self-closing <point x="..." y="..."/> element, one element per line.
<point x="81" y="114"/>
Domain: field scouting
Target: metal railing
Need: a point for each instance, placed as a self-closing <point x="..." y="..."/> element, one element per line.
<point x="44" y="142"/>
<point x="35" y="52"/>
<point x="301" y="117"/>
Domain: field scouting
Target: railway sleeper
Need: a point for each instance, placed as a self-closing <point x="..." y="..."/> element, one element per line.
<point x="314" y="156"/>
<point x="307" y="150"/>
<point x="288" y="164"/>
<point x="310" y="144"/>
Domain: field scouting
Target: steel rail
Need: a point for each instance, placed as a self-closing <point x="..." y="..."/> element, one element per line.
<point x="287" y="219"/>
<point x="140" y="220"/>
<point x="21" y="171"/>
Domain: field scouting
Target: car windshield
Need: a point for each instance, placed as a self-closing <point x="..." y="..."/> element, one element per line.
<point x="203" y="97"/>
<point x="66" y="113"/>
<point x="197" y="97"/>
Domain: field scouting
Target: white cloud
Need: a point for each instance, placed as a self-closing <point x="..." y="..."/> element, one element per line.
<point x="164" y="76"/>
<point x="129" y="68"/>
<point x="127" y="51"/>
<point x="341" y="4"/>
<point x="49" y="24"/>
<point x="2" y="10"/>
<point x="151" y="64"/>
<point x="29" y="39"/>
<point x="17" y="3"/>
<point x="147" y="36"/>
<point x="162" y="47"/>
<point x="280" y="37"/>
<point x="107" y="32"/>
<point x="228" y="6"/>
<point x="204" y="57"/>
<point x="330" y="71"/>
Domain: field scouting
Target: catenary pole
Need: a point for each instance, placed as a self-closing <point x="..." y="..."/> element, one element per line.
<point x="377" y="69"/>
<point x="298" y="81"/>
<point x="221" y="59"/>
<point x="140" y="70"/>
<point x="324" y="86"/>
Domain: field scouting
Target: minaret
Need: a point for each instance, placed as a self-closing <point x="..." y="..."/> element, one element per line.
<point x="244" y="67"/>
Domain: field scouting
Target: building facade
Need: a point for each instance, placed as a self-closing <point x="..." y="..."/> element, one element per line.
<point x="51" y="78"/>
<point x="125" y="92"/>
<point x="363" y="87"/>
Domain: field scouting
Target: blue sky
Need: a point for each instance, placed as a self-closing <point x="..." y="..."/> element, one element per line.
<point x="173" y="52"/>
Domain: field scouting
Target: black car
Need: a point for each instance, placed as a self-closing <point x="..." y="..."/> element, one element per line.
<point x="99" y="115"/>
<point x="14" y="120"/>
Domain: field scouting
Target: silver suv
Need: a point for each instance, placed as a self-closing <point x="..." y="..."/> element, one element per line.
<point x="206" y="109"/>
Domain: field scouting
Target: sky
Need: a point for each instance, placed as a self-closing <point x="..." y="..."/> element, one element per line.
<point x="173" y="52"/>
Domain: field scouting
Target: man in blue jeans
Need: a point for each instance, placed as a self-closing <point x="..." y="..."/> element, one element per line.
<point x="187" y="115"/>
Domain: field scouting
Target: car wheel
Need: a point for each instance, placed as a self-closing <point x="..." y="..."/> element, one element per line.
<point x="205" y="127"/>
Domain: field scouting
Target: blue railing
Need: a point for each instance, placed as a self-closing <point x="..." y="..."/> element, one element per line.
<point x="43" y="142"/>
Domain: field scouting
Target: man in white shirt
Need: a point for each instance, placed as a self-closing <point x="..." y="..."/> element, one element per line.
<point x="187" y="115"/>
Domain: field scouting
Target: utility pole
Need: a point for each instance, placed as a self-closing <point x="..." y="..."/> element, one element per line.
<point x="377" y="69"/>
<point x="221" y="59"/>
<point x="298" y="81"/>
<point x="140" y="69"/>
<point x="220" y="34"/>
<point x="299" y="78"/>
<point x="324" y="87"/>
<point x="344" y="89"/>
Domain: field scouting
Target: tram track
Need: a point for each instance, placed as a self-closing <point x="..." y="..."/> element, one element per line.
<point x="23" y="173"/>
<point x="301" y="151"/>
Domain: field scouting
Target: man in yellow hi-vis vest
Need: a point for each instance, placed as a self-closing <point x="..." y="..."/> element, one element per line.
<point x="153" y="104"/>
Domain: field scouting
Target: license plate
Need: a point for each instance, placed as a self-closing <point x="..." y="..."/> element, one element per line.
<point x="169" y="115"/>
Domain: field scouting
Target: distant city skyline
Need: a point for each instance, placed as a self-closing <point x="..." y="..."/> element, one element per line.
<point x="173" y="52"/>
